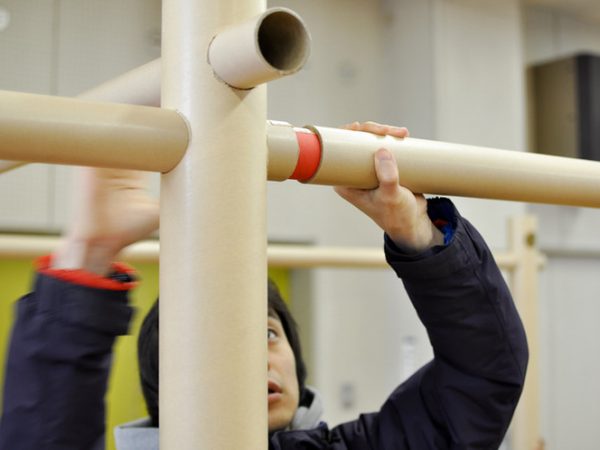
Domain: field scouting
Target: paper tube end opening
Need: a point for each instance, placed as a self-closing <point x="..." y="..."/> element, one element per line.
<point x="283" y="40"/>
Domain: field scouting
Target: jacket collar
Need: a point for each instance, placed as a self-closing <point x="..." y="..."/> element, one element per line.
<point x="140" y="435"/>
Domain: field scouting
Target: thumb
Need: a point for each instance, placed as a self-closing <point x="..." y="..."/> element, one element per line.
<point x="386" y="169"/>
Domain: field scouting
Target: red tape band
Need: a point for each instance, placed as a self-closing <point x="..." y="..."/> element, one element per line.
<point x="309" y="157"/>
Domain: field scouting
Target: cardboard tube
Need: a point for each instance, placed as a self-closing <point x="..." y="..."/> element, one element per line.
<point x="442" y="168"/>
<point x="310" y="155"/>
<point x="267" y="47"/>
<point x="279" y="255"/>
<point x="282" y="161"/>
<point x="139" y="86"/>
<point x="6" y="166"/>
<point x="213" y="280"/>
<point x="40" y="128"/>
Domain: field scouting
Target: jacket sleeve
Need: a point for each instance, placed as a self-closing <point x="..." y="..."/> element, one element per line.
<point x="58" y="366"/>
<point x="465" y="397"/>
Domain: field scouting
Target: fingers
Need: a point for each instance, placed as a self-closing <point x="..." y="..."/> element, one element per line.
<point x="378" y="129"/>
<point x="120" y="178"/>
<point x="385" y="164"/>
<point x="388" y="189"/>
<point x="352" y="126"/>
<point x="386" y="169"/>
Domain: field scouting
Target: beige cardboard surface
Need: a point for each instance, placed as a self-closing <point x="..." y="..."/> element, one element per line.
<point x="6" y="166"/>
<point x="283" y="150"/>
<point x="61" y="130"/>
<point x="442" y="168"/>
<point x="272" y="45"/>
<point x="213" y="310"/>
<point x="140" y="86"/>
<point x="278" y="255"/>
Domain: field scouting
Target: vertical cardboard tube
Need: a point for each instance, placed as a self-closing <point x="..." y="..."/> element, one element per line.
<point x="213" y="307"/>
<point x="273" y="45"/>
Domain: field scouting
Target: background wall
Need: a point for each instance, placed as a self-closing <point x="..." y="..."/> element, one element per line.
<point x="569" y="287"/>
<point x="451" y="70"/>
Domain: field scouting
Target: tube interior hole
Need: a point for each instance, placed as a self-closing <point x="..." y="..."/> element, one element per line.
<point x="283" y="41"/>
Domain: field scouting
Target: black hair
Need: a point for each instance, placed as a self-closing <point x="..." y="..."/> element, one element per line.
<point x="148" y="350"/>
<point x="148" y="362"/>
<point x="278" y="306"/>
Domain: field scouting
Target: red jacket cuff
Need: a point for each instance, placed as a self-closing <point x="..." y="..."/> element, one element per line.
<point x="124" y="277"/>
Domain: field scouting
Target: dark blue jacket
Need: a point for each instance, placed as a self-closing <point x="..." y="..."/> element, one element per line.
<point x="464" y="398"/>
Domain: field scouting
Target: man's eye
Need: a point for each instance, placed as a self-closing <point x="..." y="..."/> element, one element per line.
<point x="271" y="334"/>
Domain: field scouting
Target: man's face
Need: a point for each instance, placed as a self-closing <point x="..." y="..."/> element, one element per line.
<point x="284" y="392"/>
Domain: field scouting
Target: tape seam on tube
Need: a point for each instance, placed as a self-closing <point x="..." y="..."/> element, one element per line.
<point x="309" y="156"/>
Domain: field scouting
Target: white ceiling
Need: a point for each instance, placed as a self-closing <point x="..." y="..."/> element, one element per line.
<point x="588" y="10"/>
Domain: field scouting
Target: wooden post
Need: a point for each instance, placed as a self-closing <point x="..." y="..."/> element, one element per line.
<point x="526" y="425"/>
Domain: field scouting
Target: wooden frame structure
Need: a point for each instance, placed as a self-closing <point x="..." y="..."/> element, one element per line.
<point x="212" y="272"/>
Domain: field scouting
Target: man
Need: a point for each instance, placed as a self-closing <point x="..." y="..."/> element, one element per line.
<point x="463" y="399"/>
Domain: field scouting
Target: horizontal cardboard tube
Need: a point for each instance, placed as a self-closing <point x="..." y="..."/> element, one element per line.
<point x="441" y="168"/>
<point x="58" y="130"/>
<point x="6" y="166"/>
<point x="270" y="46"/>
<point x="425" y="166"/>
<point x="15" y="246"/>
<point x="139" y="86"/>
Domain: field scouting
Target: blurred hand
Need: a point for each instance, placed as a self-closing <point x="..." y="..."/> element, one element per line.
<point x="111" y="210"/>
<point x="401" y="213"/>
